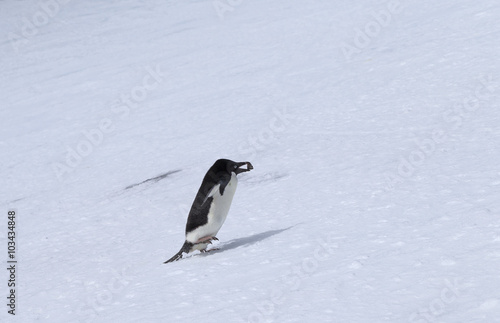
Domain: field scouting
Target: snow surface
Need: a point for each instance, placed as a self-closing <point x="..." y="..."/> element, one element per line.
<point x="373" y="127"/>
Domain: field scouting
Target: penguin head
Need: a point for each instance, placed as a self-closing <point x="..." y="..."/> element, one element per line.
<point x="236" y="167"/>
<point x="232" y="167"/>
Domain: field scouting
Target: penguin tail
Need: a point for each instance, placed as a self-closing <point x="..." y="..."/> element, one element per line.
<point x="186" y="247"/>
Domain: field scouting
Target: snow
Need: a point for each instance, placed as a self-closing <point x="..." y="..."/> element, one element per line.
<point x="372" y="127"/>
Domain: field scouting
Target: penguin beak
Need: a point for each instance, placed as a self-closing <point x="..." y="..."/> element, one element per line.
<point x="241" y="170"/>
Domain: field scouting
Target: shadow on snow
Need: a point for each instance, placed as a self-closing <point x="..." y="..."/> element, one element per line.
<point x="247" y="241"/>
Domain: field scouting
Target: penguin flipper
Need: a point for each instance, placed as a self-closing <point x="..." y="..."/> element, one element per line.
<point x="186" y="247"/>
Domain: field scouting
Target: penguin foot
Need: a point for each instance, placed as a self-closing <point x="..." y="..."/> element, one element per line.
<point x="212" y="239"/>
<point x="203" y="244"/>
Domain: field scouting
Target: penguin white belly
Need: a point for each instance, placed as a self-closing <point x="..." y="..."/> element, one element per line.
<point x="217" y="213"/>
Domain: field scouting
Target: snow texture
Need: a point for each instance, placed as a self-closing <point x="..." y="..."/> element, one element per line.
<point x="373" y="127"/>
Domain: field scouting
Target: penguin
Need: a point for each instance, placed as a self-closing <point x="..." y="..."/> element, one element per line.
<point x="211" y="205"/>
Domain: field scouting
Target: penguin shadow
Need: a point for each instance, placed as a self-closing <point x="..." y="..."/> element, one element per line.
<point x="247" y="241"/>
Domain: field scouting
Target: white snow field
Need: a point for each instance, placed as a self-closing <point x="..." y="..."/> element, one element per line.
<point x="373" y="127"/>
